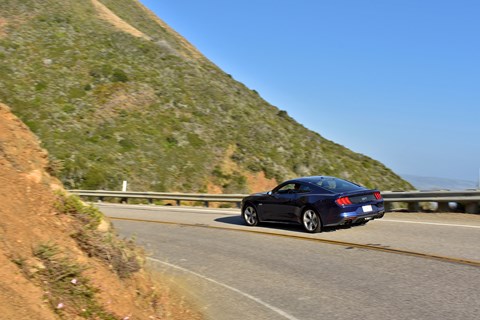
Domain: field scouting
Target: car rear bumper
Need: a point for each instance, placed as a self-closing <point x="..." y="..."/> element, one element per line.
<point x="357" y="216"/>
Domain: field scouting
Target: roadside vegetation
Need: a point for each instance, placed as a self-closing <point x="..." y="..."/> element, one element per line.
<point x="67" y="289"/>
<point x="65" y="280"/>
<point x="95" y="236"/>
<point x="110" y="106"/>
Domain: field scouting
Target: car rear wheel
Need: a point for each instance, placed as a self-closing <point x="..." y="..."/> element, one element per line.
<point x="250" y="215"/>
<point x="311" y="221"/>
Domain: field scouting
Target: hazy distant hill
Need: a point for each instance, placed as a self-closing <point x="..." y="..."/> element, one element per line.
<point x="430" y="183"/>
<point x="115" y="94"/>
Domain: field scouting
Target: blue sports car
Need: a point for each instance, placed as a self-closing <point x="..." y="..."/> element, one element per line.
<point x="314" y="202"/>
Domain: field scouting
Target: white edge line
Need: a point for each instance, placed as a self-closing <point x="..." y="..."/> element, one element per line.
<point x="174" y="208"/>
<point x="274" y="309"/>
<point x="431" y="223"/>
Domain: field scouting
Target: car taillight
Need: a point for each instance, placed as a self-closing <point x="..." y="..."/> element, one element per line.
<point x="343" y="201"/>
<point x="377" y="195"/>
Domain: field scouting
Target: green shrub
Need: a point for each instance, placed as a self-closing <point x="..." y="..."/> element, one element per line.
<point x="121" y="255"/>
<point x="119" y="75"/>
<point x="71" y="205"/>
<point x="65" y="287"/>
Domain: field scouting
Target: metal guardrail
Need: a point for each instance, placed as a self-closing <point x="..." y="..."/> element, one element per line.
<point x="468" y="199"/>
<point x="151" y="196"/>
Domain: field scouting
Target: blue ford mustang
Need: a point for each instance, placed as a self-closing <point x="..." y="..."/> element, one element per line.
<point x="314" y="202"/>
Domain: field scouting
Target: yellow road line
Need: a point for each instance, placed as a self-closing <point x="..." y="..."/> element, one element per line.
<point x="474" y="263"/>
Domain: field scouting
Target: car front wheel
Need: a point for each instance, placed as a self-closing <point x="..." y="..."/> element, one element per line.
<point x="311" y="221"/>
<point x="250" y="215"/>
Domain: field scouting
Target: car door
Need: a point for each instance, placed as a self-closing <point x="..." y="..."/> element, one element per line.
<point x="280" y="205"/>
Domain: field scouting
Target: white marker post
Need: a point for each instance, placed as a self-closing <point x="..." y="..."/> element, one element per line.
<point x="124" y="189"/>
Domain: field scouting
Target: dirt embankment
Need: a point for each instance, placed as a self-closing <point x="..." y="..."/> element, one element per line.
<point x="29" y="220"/>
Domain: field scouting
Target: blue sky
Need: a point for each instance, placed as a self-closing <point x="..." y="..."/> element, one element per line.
<point x="397" y="80"/>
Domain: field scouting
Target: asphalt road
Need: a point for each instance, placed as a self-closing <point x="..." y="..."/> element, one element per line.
<point x="233" y="274"/>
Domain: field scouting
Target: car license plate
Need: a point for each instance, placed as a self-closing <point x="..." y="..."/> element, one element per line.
<point x="367" y="208"/>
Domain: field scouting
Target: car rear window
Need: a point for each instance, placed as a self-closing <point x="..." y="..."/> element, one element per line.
<point x="337" y="185"/>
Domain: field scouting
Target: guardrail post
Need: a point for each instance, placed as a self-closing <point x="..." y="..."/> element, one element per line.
<point x="150" y="200"/>
<point x="178" y="202"/>
<point x="205" y="204"/>
<point x="413" y="206"/>
<point x="471" y="207"/>
<point x="387" y="206"/>
<point x="124" y="200"/>
<point x="443" y="207"/>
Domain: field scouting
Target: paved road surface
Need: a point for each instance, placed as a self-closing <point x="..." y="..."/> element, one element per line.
<point x="239" y="275"/>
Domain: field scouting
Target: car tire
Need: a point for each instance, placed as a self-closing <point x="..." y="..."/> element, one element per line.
<point x="250" y="215"/>
<point x="311" y="221"/>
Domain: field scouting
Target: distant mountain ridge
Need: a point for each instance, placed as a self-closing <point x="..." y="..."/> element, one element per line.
<point x="115" y="94"/>
<point x="432" y="183"/>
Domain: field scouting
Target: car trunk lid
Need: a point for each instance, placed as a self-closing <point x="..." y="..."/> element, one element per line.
<point x="360" y="197"/>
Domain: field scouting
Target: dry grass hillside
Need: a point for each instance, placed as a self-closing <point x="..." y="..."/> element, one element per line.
<point x="115" y="94"/>
<point x="58" y="258"/>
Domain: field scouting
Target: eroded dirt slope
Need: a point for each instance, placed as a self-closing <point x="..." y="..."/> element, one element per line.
<point x="29" y="218"/>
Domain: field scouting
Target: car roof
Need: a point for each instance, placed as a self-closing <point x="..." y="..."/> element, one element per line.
<point x="311" y="179"/>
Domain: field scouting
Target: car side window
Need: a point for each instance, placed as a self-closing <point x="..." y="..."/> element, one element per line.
<point x="288" y="188"/>
<point x="302" y="188"/>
